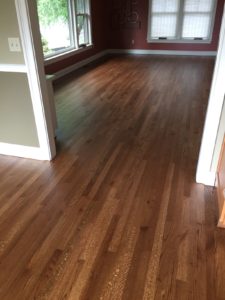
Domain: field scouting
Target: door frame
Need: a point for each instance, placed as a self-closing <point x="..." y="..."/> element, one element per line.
<point x="205" y="174"/>
<point x="34" y="60"/>
<point x="33" y="54"/>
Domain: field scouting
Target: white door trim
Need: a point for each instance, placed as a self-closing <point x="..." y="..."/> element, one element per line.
<point x="204" y="173"/>
<point x="34" y="61"/>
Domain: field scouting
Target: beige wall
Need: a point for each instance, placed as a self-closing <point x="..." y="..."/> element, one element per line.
<point x="219" y="140"/>
<point x="17" y="123"/>
<point x="8" y="28"/>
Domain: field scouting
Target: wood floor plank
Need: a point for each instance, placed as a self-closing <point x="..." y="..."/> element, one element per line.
<point x="152" y="273"/>
<point x="117" y="214"/>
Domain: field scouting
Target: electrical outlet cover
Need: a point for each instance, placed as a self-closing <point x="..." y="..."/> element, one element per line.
<point x="14" y="44"/>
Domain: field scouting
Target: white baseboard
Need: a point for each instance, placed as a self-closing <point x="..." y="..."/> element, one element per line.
<point x="84" y="62"/>
<point x="206" y="178"/>
<point x="78" y="65"/>
<point x="22" y="151"/>
<point x="162" y="52"/>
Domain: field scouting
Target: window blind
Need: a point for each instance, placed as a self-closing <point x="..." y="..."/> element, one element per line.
<point x="198" y="5"/>
<point x="181" y="19"/>
<point x="165" y="6"/>
<point x="197" y="18"/>
<point x="164" y="18"/>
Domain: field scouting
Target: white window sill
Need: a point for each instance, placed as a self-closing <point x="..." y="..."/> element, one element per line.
<point x="64" y="55"/>
<point x="181" y="41"/>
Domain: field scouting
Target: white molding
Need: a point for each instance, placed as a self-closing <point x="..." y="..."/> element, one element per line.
<point x="162" y="52"/>
<point x="59" y="57"/>
<point x="206" y="178"/>
<point x="13" y="68"/>
<point x="21" y="151"/>
<point x="33" y="55"/>
<point x="214" y="110"/>
<point x="180" y="41"/>
<point x="87" y="61"/>
<point x="78" y="65"/>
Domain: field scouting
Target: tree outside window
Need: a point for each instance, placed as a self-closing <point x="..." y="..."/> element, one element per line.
<point x="64" y="25"/>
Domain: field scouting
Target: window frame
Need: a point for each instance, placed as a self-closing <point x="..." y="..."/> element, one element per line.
<point x="75" y="47"/>
<point x="180" y="16"/>
<point x="86" y="14"/>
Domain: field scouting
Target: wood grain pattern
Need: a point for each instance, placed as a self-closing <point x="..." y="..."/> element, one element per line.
<point x="221" y="187"/>
<point x="152" y="273"/>
<point x="117" y="214"/>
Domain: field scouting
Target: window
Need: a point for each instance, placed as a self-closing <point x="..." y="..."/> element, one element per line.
<point x="181" y="20"/>
<point x="65" y="25"/>
<point x="82" y="18"/>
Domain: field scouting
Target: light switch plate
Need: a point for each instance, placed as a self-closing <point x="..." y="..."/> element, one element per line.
<point x="14" y="44"/>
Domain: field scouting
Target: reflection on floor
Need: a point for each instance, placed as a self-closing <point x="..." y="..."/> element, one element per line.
<point x="117" y="215"/>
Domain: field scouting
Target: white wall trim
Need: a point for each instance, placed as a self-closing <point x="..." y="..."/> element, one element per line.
<point x="206" y="178"/>
<point x="21" y="151"/>
<point x="87" y="61"/>
<point x="23" y="69"/>
<point x="162" y="52"/>
<point x="56" y="58"/>
<point x="214" y="110"/>
<point x="14" y="68"/>
<point x="33" y="55"/>
<point x="78" y="65"/>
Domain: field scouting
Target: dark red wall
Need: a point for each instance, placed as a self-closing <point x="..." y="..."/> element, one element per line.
<point x="106" y="37"/>
<point x="122" y="38"/>
<point x="99" y="34"/>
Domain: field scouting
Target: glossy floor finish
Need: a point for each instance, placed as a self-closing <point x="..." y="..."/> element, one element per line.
<point x="117" y="215"/>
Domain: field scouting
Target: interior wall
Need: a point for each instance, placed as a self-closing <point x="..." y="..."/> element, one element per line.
<point x="8" y="28"/>
<point x="121" y="36"/>
<point x="17" y="125"/>
<point x="17" y="122"/>
<point x="99" y="34"/>
<point x="105" y="36"/>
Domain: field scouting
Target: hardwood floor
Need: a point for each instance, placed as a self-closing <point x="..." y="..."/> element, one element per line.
<point x="117" y="215"/>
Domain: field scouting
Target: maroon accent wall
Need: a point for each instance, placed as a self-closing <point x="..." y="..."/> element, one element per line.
<point x="122" y="38"/>
<point x="105" y="37"/>
<point x="99" y="34"/>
